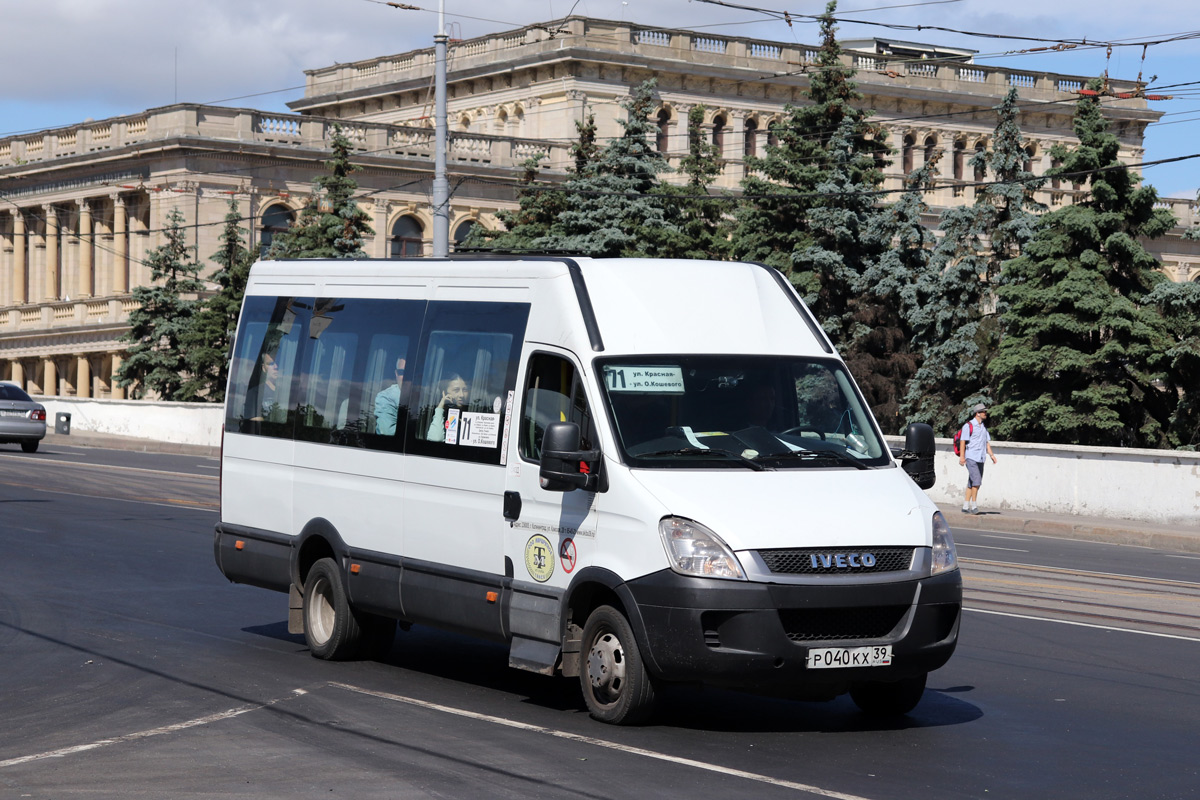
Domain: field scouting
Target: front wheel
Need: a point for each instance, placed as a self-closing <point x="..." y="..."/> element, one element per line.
<point x="616" y="686"/>
<point x="330" y="628"/>
<point x="880" y="699"/>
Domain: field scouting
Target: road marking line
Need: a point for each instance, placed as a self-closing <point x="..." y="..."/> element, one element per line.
<point x="1084" y="624"/>
<point x="575" y="737"/>
<point x="132" y="737"/>
<point x="85" y="465"/>
<point x="990" y="547"/>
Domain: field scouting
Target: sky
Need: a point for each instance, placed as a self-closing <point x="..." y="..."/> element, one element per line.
<point x="67" y="61"/>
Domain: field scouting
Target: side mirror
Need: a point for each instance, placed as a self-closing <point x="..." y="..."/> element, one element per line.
<point x="564" y="467"/>
<point x="917" y="457"/>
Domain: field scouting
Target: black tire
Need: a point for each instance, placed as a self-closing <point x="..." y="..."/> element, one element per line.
<point x="330" y="627"/>
<point x="616" y="686"/>
<point x="29" y="447"/>
<point x="879" y="699"/>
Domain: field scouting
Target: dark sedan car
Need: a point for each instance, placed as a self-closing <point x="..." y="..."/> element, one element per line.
<point x="22" y="421"/>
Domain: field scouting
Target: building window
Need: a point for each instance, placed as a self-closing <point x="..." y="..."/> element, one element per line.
<point x="980" y="149"/>
<point x="930" y="148"/>
<point x="772" y="134"/>
<point x="718" y="135"/>
<point x="906" y="157"/>
<point x="1028" y="165"/>
<point x="274" y="221"/>
<point x="462" y="232"/>
<point x="407" y="238"/>
<point x="750" y="148"/>
<point x="664" y="123"/>
<point x="960" y="159"/>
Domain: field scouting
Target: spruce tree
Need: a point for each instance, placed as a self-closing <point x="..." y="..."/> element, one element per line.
<point x="614" y="207"/>
<point x="699" y="231"/>
<point x="805" y="198"/>
<point x="209" y="339"/>
<point x="155" y="361"/>
<point x="1179" y="304"/>
<point x="1083" y="347"/>
<point x="331" y="224"/>
<point x="955" y="324"/>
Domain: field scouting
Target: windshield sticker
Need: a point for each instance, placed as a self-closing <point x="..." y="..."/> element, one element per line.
<point x="452" y="426"/>
<point x="664" y="380"/>
<point x="507" y="425"/>
<point x="478" y="429"/>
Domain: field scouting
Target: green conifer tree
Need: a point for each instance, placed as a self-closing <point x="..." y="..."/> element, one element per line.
<point x="1179" y="304"/>
<point x="155" y="361"/>
<point x="208" y="340"/>
<point x="805" y="201"/>
<point x="700" y="225"/>
<point x="1083" y="347"/>
<point x="955" y="324"/>
<point x="331" y="224"/>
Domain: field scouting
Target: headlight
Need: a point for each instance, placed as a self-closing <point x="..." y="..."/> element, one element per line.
<point x="695" y="550"/>
<point x="944" y="557"/>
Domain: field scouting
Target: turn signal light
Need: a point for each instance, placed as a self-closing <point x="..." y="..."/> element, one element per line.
<point x="492" y="597"/>
<point x="239" y="545"/>
<point x="355" y="569"/>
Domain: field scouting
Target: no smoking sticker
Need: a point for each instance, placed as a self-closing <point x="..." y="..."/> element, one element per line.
<point x="566" y="554"/>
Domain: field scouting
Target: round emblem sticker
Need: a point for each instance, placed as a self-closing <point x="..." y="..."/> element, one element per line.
<point x="539" y="558"/>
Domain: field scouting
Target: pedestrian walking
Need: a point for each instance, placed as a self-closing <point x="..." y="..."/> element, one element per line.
<point x="976" y="447"/>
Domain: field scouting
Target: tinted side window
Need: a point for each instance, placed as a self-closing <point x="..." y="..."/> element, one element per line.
<point x="262" y="383"/>
<point x="354" y="388"/>
<point x="468" y="368"/>
<point x="553" y="393"/>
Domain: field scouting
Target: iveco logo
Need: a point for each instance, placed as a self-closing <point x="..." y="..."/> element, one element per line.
<point x="842" y="560"/>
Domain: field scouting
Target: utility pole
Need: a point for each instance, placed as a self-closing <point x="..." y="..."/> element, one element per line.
<point x="441" y="186"/>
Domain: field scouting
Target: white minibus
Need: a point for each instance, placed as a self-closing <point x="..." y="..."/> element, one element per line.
<point x="629" y="471"/>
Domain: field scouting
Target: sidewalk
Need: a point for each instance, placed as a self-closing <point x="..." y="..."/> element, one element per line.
<point x="1179" y="538"/>
<point x="1185" y="539"/>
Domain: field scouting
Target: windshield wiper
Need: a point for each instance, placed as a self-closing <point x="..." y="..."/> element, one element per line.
<point x="814" y="455"/>
<point x="701" y="451"/>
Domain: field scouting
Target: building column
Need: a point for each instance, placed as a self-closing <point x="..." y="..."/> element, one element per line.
<point x="118" y="392"/>
<point x="18" y="374"/>
<point x="50" y="377"/>
<point x="120" y="276"/>
<point x="20" y="276"/>
<point x="50" y="287"/>
<point x="380" y="246"/>
<point x="83" y="377"/>
<point x="85" y="249"/>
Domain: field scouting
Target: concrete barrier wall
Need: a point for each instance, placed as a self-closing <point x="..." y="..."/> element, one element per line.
<point x="1161" y="486"/>
<point x="179" y="423"/>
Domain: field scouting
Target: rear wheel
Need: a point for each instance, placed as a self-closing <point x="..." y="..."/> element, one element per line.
<point x="616" y="686"/>
<point x="881" y="699"/>
<point x="29" y="447"/>
<point x="330" y="628"/>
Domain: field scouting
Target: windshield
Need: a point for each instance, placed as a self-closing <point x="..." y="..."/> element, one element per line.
<point x="761" y="412"/>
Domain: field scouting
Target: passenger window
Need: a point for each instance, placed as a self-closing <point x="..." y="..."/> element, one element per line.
<point x="553" y="393"/>
<point x="468" y="369"/>
<point x="353" y="389"/>
<point x="263" y="369"/>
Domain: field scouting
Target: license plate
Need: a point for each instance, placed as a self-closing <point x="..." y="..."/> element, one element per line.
<point x="838" y="657"/>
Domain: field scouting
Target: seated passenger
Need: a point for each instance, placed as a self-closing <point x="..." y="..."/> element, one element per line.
<point x="387" y="403"/>
<point x="454" y="393"/>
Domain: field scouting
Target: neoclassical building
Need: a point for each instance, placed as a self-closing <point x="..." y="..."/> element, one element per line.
<point x="81" y="206"/>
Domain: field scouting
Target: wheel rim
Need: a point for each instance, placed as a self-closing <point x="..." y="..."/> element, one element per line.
<point x="321" y="614"/>
<point x="606" y="667"/>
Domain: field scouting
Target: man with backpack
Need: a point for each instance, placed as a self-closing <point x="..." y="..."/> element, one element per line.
<point x="974" y="445"/>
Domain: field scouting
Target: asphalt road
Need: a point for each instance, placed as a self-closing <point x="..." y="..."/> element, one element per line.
<point x="130" y="668"/>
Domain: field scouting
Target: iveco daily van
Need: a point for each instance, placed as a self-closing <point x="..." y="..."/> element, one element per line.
<point x="629" y="471"/>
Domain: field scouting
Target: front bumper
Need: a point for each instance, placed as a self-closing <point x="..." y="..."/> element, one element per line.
<point x="753" y="635"/>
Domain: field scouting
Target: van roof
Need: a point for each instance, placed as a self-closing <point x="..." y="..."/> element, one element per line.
<point x="627" y="305"/>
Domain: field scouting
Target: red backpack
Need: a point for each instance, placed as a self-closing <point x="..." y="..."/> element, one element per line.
<point x="958" y="436"/>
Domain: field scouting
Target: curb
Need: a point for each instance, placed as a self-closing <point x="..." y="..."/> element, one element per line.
<point x="1085" y="530"/>
<point x="113" y="442"/>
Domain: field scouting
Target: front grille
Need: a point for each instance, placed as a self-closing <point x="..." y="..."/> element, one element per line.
<point x="824" y="624"/>
<point x="799" y="560"/>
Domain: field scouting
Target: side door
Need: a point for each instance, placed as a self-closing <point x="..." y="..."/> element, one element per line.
<point x="549" y="536"/>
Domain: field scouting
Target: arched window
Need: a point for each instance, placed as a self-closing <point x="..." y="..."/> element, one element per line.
<point x="664" y="124"/>
<point x="1028" y="165"/>
<point x="750" y="147"/>
<point x="930" y="148"/>
<point x="407" y="237"/>
<point x="718" y="136"/>
<point x="772" y="134"/>
<point x="980" y="149"/>
<point x="462" y="232"/>
<point x="1055" y="182"/>
<point x="960" y="159"/>
<point x="906" y="153"/>
<point x="274" y="221"/>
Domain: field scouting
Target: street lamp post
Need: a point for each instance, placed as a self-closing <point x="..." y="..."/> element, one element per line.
<point x="441" y="186"/>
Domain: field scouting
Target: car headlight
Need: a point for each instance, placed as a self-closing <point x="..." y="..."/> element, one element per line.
<point x="695" y="550"/>
<point x="944" y="556"/>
